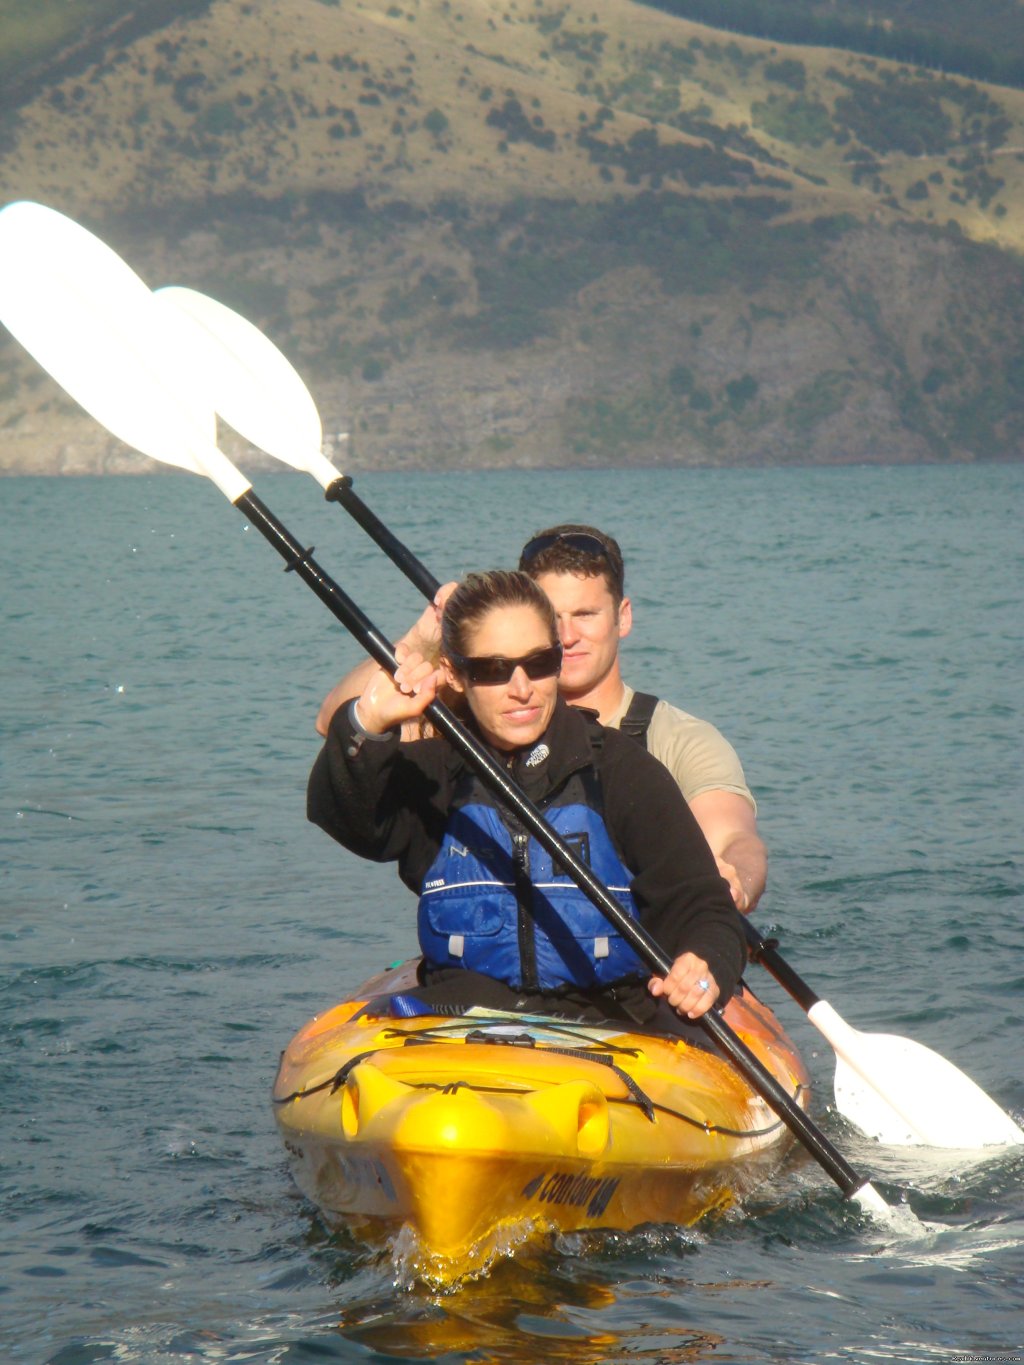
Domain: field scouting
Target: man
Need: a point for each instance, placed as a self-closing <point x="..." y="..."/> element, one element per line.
<point x="581" y="571"/>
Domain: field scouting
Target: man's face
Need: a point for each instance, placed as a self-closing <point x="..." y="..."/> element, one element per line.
<point x="589" y="627"/>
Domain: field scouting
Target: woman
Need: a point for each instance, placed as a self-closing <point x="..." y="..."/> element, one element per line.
<point x="499" y="925"/>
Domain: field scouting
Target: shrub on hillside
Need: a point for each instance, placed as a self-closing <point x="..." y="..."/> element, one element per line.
<point x="787" y="72"/>
<point x="516" y="125"/>
<point x="804" y="122"/>
<point x="895" y="116"/>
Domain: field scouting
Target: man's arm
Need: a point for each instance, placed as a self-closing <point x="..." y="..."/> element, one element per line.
<point x="730" y="827"/>
<point x="709" y="773"/>
<point x="682" y="900"/>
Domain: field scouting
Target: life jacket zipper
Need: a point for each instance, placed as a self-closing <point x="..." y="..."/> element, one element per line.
<point x="524" y="906"/>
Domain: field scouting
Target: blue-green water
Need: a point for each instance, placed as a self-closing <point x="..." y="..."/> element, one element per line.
<point x="168" y="919"/>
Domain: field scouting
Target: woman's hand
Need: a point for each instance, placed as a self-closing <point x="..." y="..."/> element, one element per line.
<point x="386" y="701"/>
<point x="689" y="988"/>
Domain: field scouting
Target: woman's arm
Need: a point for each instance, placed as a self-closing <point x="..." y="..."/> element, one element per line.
<point x="379" y="798"/>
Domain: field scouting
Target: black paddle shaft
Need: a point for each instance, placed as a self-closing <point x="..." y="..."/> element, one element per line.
<point x="764" y="951"/>
<point x="301" y="562"/>
<point x="419" y="576"/>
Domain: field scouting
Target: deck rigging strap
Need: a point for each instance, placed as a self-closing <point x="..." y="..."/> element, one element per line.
<point x="648" y="1107"/>
<point x="332" y="1083"/>
<point x="643" y="1101"/>
<point x="481" y="1034"/>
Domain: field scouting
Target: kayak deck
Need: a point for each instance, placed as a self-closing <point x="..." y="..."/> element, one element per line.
<point x="477" y="1131"/>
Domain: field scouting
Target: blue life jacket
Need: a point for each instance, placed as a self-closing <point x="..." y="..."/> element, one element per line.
<point x="493" y="902"/>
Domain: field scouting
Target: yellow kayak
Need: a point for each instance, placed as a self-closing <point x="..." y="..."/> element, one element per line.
<point x="476" y="1132"/>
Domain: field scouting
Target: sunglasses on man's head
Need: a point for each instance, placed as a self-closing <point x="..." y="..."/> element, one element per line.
<point x="487" y="670"/>
<point x="579" y="540"/>
<point x="576" y="540"/>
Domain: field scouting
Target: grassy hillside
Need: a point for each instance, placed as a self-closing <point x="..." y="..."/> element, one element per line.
<point x="492" y="231"/>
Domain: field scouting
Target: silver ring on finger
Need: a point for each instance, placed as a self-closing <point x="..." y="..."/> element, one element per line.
<point x="704" y="984"/>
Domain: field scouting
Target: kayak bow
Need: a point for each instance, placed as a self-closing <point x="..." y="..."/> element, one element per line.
<point x="478" y="1132"/>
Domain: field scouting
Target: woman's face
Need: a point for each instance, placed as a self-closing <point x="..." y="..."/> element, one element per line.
<point x="516" y="713"/>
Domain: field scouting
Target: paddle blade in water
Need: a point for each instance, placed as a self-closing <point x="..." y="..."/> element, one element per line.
<point x="250" y="382"/>
<point x="91" y="323"/>
<point x="902" y="1093"/>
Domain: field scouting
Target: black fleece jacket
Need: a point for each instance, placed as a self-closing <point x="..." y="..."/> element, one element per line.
<point x="388" y="801"/>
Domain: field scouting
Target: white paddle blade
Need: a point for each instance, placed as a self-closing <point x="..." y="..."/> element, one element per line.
<point x="903" y="1094"/>
<point x="900" y="1218"/>
<point x="91" y="323"/>
<point x="251" y="383"/>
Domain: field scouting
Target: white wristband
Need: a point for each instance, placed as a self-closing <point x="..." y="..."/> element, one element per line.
<point x="358" y="726"/>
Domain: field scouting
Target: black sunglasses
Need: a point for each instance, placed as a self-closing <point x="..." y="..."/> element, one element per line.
<point x="487" y="670"/>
